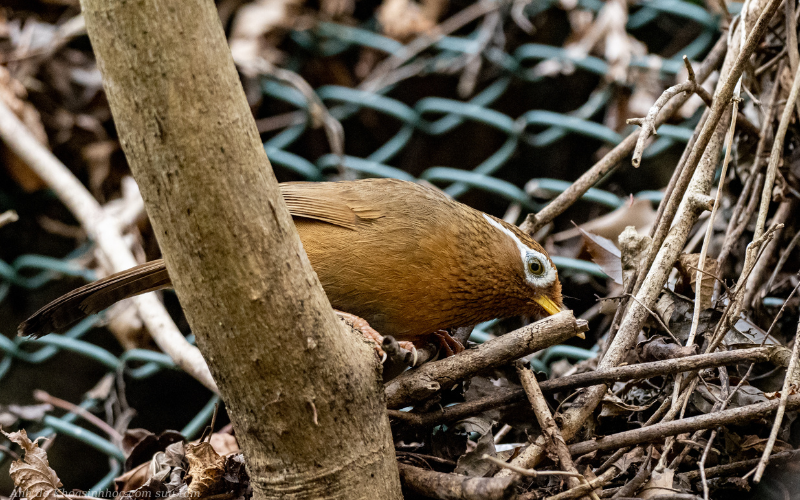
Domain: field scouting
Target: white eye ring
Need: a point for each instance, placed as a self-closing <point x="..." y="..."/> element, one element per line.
<point x="538" y="269"/>
<point x="535" y="266"/>
<point x="544" y="277"/>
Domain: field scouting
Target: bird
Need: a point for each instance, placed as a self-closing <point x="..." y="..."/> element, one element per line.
<point x="399" y="258"/>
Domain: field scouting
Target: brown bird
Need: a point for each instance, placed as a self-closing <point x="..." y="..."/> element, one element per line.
<point x="404" y="257"/>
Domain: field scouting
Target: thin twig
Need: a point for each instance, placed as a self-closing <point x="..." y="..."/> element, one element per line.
<point x="648" y="123"/>
<point x="776" y="154"/>
<point x="416" y="385"/>
<point x="548" y="425"/>
<point x="709" y="231"/>
<point x="529" y="472"/>
<point x="739" y="467"/>
<point x="610" y="161"/>
<point x="776" y="355"/>
<point x="784" y="257"/>
<point x="583" y="489"/>
<point x="44" y="397"/>
<point x="788" y="384"/>
<point x="659" y="431"/>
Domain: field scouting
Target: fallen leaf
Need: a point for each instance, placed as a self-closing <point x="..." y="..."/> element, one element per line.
<point x="633" y="247"/>
<point x="133" y="479"/>
<point x="206" y="470"/>
<point x="657" y="348"/>
<point x="660" y="483"/>
<point x="32" y="473"/>
<point x="605" y="254"/>
<point x="472" y="463"/>
<point x="758" y="444"/>
<point x="688" y="265"/>
<point x="665" y="307"/>
<point x="140" y="445"/>
<point x="635" y="456"/>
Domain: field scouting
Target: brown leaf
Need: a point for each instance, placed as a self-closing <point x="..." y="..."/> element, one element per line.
<point x="633" y="247"/>
<point x="224" y="444"/>
<point x="635" y="456"/>
<point x="665" y="307"/>
<point x="758" y="444"/>
<point x="688" y="265"/>
<point x="660" y="483"/>
<point x="605" y="254"/>
<point x="206" y="470"/>
<point x="32" y="473"/>
<point x="132" y="479"/>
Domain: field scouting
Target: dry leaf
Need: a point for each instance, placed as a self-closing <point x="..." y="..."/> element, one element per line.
<point x="32" y="473"/>
<point x="758" y="444"/>
<point x="665" y="307"/>
<point x="224" y="444"/>
<point x="605" y="254"/>
<point x="660" y="483"/>
<point x="206" y="470"/>
<point x="688" y="266"/>
<point x="133" y="479"/>
<point x="633" y="248"/>
<point x="635" y="456"/>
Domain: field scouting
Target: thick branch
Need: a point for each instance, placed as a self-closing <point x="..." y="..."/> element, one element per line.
<point x="432" y="484"/>
<point x="303" y="395"/>
<point x="416" y="385"/>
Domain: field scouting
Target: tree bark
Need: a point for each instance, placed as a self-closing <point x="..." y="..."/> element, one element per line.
<point x="303" y="393"/>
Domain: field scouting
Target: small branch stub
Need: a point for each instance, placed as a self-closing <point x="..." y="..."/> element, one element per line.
<point x="648" y="123"/>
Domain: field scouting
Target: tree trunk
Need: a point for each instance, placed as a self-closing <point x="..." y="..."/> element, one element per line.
<point x="305" y="396"/>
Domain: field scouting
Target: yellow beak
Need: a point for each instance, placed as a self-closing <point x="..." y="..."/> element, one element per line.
<point x="547" y="304"/>
<point x="552" y="308"/>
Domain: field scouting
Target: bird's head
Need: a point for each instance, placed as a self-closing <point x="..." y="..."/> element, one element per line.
<point x="531" y="276"/>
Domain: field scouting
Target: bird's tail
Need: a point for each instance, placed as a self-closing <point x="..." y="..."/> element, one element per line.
<point x="60" y="314"/>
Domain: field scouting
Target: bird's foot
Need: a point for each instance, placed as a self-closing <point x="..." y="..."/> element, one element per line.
<point x="376" y="338"/>
<point x="450" y="345"/>
<point x="409" y="346"/>
<point x="369" y="333"/>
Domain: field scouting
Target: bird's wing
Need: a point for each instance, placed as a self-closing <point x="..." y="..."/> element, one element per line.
<point x="327" y="202"/>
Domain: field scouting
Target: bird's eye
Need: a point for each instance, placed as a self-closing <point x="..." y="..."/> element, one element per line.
<point x="535" y="266"/>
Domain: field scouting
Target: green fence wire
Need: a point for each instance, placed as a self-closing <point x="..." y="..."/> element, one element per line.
<point x="429" y="116"/>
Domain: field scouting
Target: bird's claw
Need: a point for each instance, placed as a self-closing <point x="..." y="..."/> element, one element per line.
<point x="409" y="346"/>
<point x="450" y="345"/>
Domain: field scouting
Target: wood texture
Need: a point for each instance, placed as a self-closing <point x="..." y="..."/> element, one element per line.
<point x="303" y="395"/>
